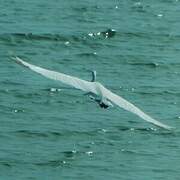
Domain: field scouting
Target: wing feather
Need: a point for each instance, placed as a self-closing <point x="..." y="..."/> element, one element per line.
<point x="93" y="87"/>
<point x="121" y="102"/>
<point x="65" y="79"/>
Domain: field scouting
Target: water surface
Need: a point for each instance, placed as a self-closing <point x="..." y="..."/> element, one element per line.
<point x="50" y="131"/>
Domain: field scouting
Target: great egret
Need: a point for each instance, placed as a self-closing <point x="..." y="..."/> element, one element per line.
<point x="96" y="89"/>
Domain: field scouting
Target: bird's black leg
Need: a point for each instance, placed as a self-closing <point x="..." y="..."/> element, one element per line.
<point x="102" y="105"/>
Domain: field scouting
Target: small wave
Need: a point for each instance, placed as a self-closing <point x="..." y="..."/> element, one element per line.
<point x="30" y="36"/>
<point x="52" y="163"/>
<point x="33" y="134"/>
<point x="158" y="92"/>
<point x="109" y="33"/>
<point x="16" y="37"/>
<point x="151" y="130"/>
<point x="125" y="128"/>
<point x="7" y="109"/>
<point x="139" y="7"/>
<point x="6" y="164"/>
<point x="93" y="54"/>
<point x="70" y="154"/>
<point x="65" y="158"/>
<point x="9" y="82"/>
<point x="165" y="37"/>
<point x="68" y="39"/>
<point x="151" y="64"/>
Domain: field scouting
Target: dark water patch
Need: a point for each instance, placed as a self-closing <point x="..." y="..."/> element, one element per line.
<point x="176" y="93"/>
<point x="80" y="9"/>
<point x="37" y="134"/>
<point x="12" y="83"/>
<point x="109" y="33"/>
<point x="18" y="37"/>
<point x="151" y="65"/>
<point x="164" y="170"/>
<point x="87" y="54"/>
<point x="70" y="154"/>
<point x="157" y="92"/>
<point x="28" y="95"/>
<point x="123" y="128"/>
<point x="30" y="36"/>
<point x="52" y="163"/>
<point x="65" y="158"/>
<point x="135" y="129"/>
<point x="4" y="91"/>
<point x="92" y="133"/>
<point x="57" y="134"/>
<point x="74" y="153"/>
<point x="163" y="37"/>
<point x="167" y="133"/>
<point x="152" y="130"/>
<point x="147" y="60"/>
<point x="169" y="68"/>
<point x="85" y="8"/>
<point x="6" y="164"/>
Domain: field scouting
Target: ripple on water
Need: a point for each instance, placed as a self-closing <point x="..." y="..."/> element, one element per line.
<point x="37" y="134"/>
<point x="134" y="46"/>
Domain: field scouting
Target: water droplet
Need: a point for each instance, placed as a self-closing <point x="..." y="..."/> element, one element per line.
<point x="53" y="89"/>
<point x="137" y="3"/>
<point x="160" y="15"/>
<point x="91" y="34"/>
<point x="104" y="130"/>
<point x="74" y="151"/>
<point x="153" y="129"/>
<point x="67" y="43"/>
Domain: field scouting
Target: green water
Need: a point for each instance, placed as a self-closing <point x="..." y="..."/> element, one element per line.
<point x="49" y="131"/>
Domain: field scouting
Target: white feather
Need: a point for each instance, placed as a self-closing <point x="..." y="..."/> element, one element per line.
<point x="92" y="87"/>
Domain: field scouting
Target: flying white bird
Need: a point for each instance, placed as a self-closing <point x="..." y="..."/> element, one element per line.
<point x="97" y="91"/>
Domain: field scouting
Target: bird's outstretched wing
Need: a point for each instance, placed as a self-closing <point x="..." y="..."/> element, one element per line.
<point x="93" y="87"/>
<point x="121" y="102"/>
<point x="65" y="79"/>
